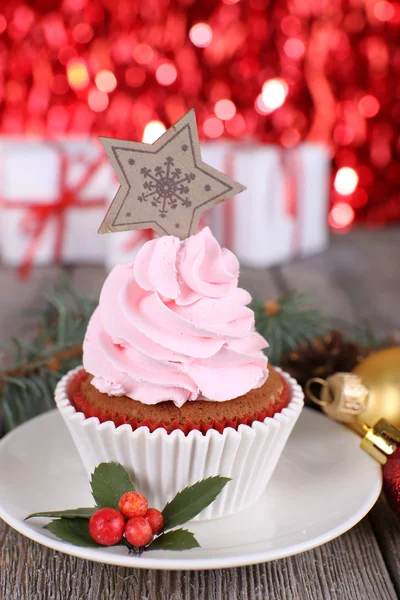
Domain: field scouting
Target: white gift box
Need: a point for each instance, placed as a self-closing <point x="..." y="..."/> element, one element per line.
<point x="45" y="219"/>
<point x="283" y="212"/>
<point x="53" y="198"/>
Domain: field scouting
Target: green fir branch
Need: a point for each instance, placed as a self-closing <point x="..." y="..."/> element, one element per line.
<point x="293" y="323"/>
<point x="34" y="367"/>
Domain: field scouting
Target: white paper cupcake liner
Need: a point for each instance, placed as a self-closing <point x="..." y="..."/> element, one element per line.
<point x="162" y="464"/>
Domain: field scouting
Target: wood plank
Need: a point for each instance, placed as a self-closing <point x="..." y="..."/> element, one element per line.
<point x="262" y="284"/>
<point x="88" y="279"/>
<point x="350" y="567"/>
<point x="386" y="526"/>
<point x="357" y="277"/>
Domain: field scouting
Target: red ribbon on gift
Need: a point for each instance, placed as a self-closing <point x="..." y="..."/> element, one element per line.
<point x="38" y="215"/>
<point x="291" y="169"/>
<point x="291" y="180"/>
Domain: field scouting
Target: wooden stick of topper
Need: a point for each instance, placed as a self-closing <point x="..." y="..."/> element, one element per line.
<point x="165" y="186"/>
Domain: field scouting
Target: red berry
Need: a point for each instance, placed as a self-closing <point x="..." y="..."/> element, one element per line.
<point x="155" y="519"/>
<point x="138" y="531"/>
<point x="106" y="526"/>
<point x="133" y="504"/>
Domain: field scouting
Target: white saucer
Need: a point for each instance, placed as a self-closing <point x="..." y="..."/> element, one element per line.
<point x="323" y="485"/>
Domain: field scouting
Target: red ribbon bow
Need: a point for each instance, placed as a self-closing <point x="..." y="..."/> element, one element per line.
<point x="38" y="215"/>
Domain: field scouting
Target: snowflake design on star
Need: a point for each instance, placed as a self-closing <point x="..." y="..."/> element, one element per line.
<point x="166" y="186"/>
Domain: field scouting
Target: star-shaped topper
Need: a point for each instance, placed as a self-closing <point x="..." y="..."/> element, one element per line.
<point x="166" y="185"/>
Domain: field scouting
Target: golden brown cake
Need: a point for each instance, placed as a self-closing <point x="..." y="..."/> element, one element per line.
<point x="257" y="404"/>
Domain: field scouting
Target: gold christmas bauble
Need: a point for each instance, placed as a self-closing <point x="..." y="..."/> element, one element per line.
<point x="380" y="372"/>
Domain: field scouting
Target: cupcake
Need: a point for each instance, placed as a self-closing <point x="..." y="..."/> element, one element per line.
<point x="175" y="384"/>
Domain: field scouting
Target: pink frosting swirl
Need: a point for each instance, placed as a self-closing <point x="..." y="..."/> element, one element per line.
<point x="173" y="325"/>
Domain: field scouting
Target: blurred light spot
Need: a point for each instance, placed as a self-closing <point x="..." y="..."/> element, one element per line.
<point x="166" y="74"/>
<point x="201" y="35"/>
<point x="354" y="21"/>
<point x="75" y="4"/>
<point x="59" y="85"/>
<point x="213" y="127"/>
<point x="54" y="30"/>
<point x="294" y="48"/>
<point x="290" y="137"/>
<point x="152" y="131"/>
<point x="291" y="25"/>
<point x="57" y="119"/>
<point x="260" y="106"/>
<point x="106" y="81"/>
<point x="230" y="1"/>
<point x="341" y="216"/>
<point x="77" y="73"/>
<point x="236" y="126"/>
<point x="122" y="48"/>
<point x="23" y="18"/>
<point x="135" y="76"/>
<point x="98" y="101"/>
<point x="346" y="181"/>
<point x="82" y="33"/>
<point x="15" y="91"/>
<point x="143" y="54"/>
<point x="274" y="92"/>
<point x="66" y="54"/>
<point x="380" y="153"/>
<point x="383" y="11"/>
<point x="3" y="23"/>
<point x="368" y="106"/>
<point x="217" y="90"/>
<point x="225" y="109"/>
<point x="359" y="198"/>
<point x="343" y="134"/>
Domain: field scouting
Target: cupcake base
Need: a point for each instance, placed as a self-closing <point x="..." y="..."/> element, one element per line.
<point x="202" y="415"/>
<point x="161" y="463"/>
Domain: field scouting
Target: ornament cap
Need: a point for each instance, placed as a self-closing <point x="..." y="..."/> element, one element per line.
<point x="379" y="441"/>
<point x="343" y="396"/>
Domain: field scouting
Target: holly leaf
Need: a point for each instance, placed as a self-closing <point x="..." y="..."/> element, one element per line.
<point x="74" y="513"/>
<point x="109" y="482"/>
<point x="179" y="539"/>
<point x="74" y="531"/>
<point x="192" y="500"/>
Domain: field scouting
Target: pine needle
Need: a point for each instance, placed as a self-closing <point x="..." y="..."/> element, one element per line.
<point x="35" y="367"/>
<point x="293" y="322"/>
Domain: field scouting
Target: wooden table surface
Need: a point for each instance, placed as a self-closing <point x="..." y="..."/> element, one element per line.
<point x="358" y="276"/>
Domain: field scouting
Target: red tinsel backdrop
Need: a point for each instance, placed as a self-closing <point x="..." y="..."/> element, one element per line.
<point x="278" y="71"/>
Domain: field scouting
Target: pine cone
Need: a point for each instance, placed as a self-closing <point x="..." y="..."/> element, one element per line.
<point x="322" y="357"/>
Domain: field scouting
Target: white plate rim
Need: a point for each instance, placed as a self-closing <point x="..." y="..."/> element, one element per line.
<point x="178" y="564"/>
